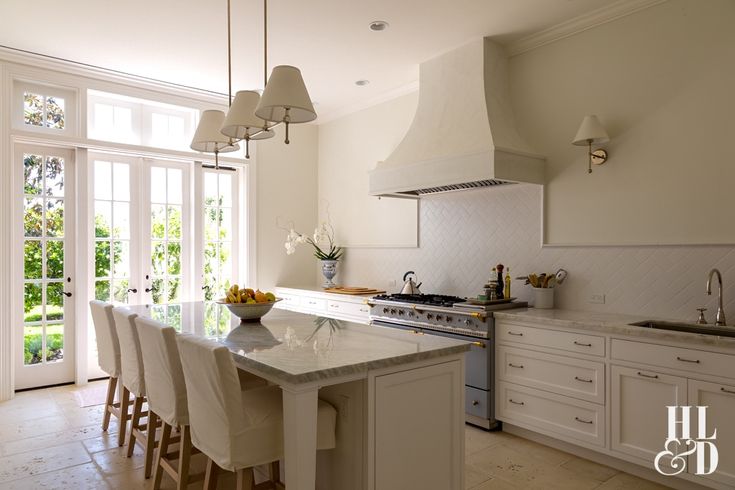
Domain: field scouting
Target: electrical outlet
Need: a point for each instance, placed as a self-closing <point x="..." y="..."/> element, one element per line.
<point x="597" y="298"/>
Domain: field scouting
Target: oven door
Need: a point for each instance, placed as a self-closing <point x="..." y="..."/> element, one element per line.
<point x="478" y="361"/>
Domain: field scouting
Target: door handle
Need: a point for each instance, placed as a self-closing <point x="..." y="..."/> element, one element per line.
<point x="68" y="295"/>
<point x="133" y="290"/>
<point x="149" y="290"/>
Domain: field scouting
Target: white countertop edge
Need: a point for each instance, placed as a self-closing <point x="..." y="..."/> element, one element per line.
<point x="318" y="292"/>
<point x="611" y="323"/>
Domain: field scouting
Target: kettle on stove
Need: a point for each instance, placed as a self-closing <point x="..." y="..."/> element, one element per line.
<point x="409" y="285"/>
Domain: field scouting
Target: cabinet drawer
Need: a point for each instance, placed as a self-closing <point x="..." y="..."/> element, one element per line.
<point x="573" y="419"/>
<point x="349" y="309"/>
<point x="289" y="301"/>
<point x="478" y="402"/>
<point x="674" y="357"/>
<point x="568" y="341"/>
<point x="313" y="304"/>
<point x="563" y="375"/>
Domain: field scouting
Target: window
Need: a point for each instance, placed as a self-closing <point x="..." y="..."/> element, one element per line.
<point x="166" y="234"/>
<point x="43" y="108"/>
<point x="123" y="119"/>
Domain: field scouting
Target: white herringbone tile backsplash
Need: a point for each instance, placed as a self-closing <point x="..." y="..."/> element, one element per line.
<point x="463" y="235"/>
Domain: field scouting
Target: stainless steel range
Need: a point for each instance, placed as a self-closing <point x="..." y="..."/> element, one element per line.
<point x="451" y="316"/>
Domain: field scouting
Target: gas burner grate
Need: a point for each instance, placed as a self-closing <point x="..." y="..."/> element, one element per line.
<point x="422" y="299"/>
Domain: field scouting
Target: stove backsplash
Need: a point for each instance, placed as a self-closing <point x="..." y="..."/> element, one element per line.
<point x="463" y="235"/>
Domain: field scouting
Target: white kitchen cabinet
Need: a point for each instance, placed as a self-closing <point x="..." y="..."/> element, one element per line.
<point x="316" y="302"/>
<point x="720" y="402"/>
<point x="639" y="416"/>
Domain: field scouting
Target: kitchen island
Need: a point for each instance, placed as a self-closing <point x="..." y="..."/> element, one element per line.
<point x="399" y="396"/>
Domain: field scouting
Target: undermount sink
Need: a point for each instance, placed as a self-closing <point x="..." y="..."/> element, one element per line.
<point x="687" y="327"/>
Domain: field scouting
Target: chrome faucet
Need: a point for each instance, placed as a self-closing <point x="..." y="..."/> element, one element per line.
<point x="720" y="319"/>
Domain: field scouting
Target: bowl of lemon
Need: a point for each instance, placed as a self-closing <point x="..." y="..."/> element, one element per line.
<point x="249" y="305"/>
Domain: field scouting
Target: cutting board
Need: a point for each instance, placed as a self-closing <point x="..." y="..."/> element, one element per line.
<point x="354" y="291"/>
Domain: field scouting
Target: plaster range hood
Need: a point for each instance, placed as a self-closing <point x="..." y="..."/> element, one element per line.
<point x="463" y="135"/>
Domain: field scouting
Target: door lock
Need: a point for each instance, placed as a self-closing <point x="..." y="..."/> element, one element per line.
<point x="133" y="290"/>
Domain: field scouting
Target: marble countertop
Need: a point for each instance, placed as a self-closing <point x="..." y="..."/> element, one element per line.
<point x="612" y="323"/>
<point x="300" y="348"/>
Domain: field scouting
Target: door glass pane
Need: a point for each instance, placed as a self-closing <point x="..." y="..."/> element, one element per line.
<point x="33" y="109"/>
<point x="44" y="252"/>
<point x="219" y="232"/>
<point x="174" y="222"/>
<point x="54" y="112"/>
<point x="112" y="230"/>
<point x="158" y="221"/>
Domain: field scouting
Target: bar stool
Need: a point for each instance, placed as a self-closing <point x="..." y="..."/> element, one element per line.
<point x="167" y="399"/>
<point x="108" y="359"/>
<point x="236" y="429"/>
<point x="134" y="383"/>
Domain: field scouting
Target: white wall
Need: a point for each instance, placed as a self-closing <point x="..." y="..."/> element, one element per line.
<point x="463" y="235"/>
<point x="661" y="81"/>
<point x="286" y="179"/>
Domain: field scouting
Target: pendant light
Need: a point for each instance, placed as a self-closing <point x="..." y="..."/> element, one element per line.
<point x="285" y="98"/>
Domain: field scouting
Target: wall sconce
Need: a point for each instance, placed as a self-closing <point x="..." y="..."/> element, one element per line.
<point x="591" y="131"/>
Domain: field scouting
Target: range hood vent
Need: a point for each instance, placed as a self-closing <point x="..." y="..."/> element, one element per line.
<point x="463" y="135"/>
<point x="450" y="188"/>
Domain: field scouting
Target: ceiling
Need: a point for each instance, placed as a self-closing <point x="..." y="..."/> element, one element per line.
<point x="184" y="41"/>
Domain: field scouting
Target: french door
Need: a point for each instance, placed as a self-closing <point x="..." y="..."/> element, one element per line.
<point x="45" y="188"/>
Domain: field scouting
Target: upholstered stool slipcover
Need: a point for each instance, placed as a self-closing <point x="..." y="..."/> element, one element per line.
<point x="236" y="429"/>
<point x="166" y="389"/>
<point x="108" y="359"/>
<point x="133" y="379"/>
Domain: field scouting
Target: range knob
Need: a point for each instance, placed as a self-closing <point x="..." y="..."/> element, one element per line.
<point x="411" y="314"/>
<point x="438" y="317"/>
<point x="401" y="312"/>
<point x="385" y="310"/>
<point x="392" y="311"/>
<point x="429" y="316"/>
<point x="468" y="322"/>
<point x="449" y="319"/>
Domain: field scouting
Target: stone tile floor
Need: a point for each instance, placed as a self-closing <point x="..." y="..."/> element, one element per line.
<point x="48" y="441"/>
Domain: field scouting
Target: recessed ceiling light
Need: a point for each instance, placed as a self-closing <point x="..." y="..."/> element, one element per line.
<point x="378" y="25"/>
<point x="362" y="83"/>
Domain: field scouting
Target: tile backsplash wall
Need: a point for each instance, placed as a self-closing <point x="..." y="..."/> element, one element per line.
<point x="462" y="236"/>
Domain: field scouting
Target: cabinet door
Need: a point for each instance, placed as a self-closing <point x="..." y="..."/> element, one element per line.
<point x="720" y="402"/>
<point x="639" y="415"/>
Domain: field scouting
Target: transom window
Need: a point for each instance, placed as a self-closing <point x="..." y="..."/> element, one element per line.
<point x="44" y="111"/>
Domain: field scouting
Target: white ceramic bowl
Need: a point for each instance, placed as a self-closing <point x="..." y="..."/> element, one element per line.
<point x="249" y="312"/>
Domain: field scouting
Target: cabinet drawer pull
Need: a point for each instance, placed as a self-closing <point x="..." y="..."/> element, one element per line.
<point x="515" y="402"/>
<point x="514" y="333"/>
<point x="335" y="306"/>
<point x="655" y="376"/>
<point x="479" y="344"/>
<point x="364" y="310"/>
<point x="416" y="332"/>
<point x="693" y="361"/>
<point x="725" y="390"/>
<point x="583" y="421"/>
<point x="517" y="366"/>
<point x="582" y="344"/>
<point x="475" y="403"/>
<point x="582" y="379"/>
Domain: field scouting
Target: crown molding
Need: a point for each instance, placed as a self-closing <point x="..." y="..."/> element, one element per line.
<point x="367" y="103"/>
<point x="603" y="15"/>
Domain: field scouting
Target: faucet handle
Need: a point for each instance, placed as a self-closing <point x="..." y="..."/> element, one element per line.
<point x="701" y="320"/>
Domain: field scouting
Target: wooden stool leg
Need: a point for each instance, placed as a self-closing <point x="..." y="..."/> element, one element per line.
<point x="161" y="453"/>
<point x="210" y="477"/>
<point x="245" y="479"/>
<point x="184" y="457"/>
<point x="274" y="471"/>
<point x="134" y="422"/>
<point x="111" y="385"/>
<point x="124" y="403"/>
<point x="150" y="442"/>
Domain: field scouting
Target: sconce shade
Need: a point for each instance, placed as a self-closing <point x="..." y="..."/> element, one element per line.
<point x="286" y="90"/>
<point x="590" y="131"/>
<point x="208" y="138"/>
<point x="241" y="120"/>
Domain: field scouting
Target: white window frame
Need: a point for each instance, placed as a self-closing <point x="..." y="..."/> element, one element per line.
<point x="70" y="96"/>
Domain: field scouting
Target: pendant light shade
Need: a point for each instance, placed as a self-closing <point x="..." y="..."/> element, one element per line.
<point x="208" y="138"/>
<point x="285" y="98"/>
<point x="590" y="131"/>
<point x="241" y="121"/>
